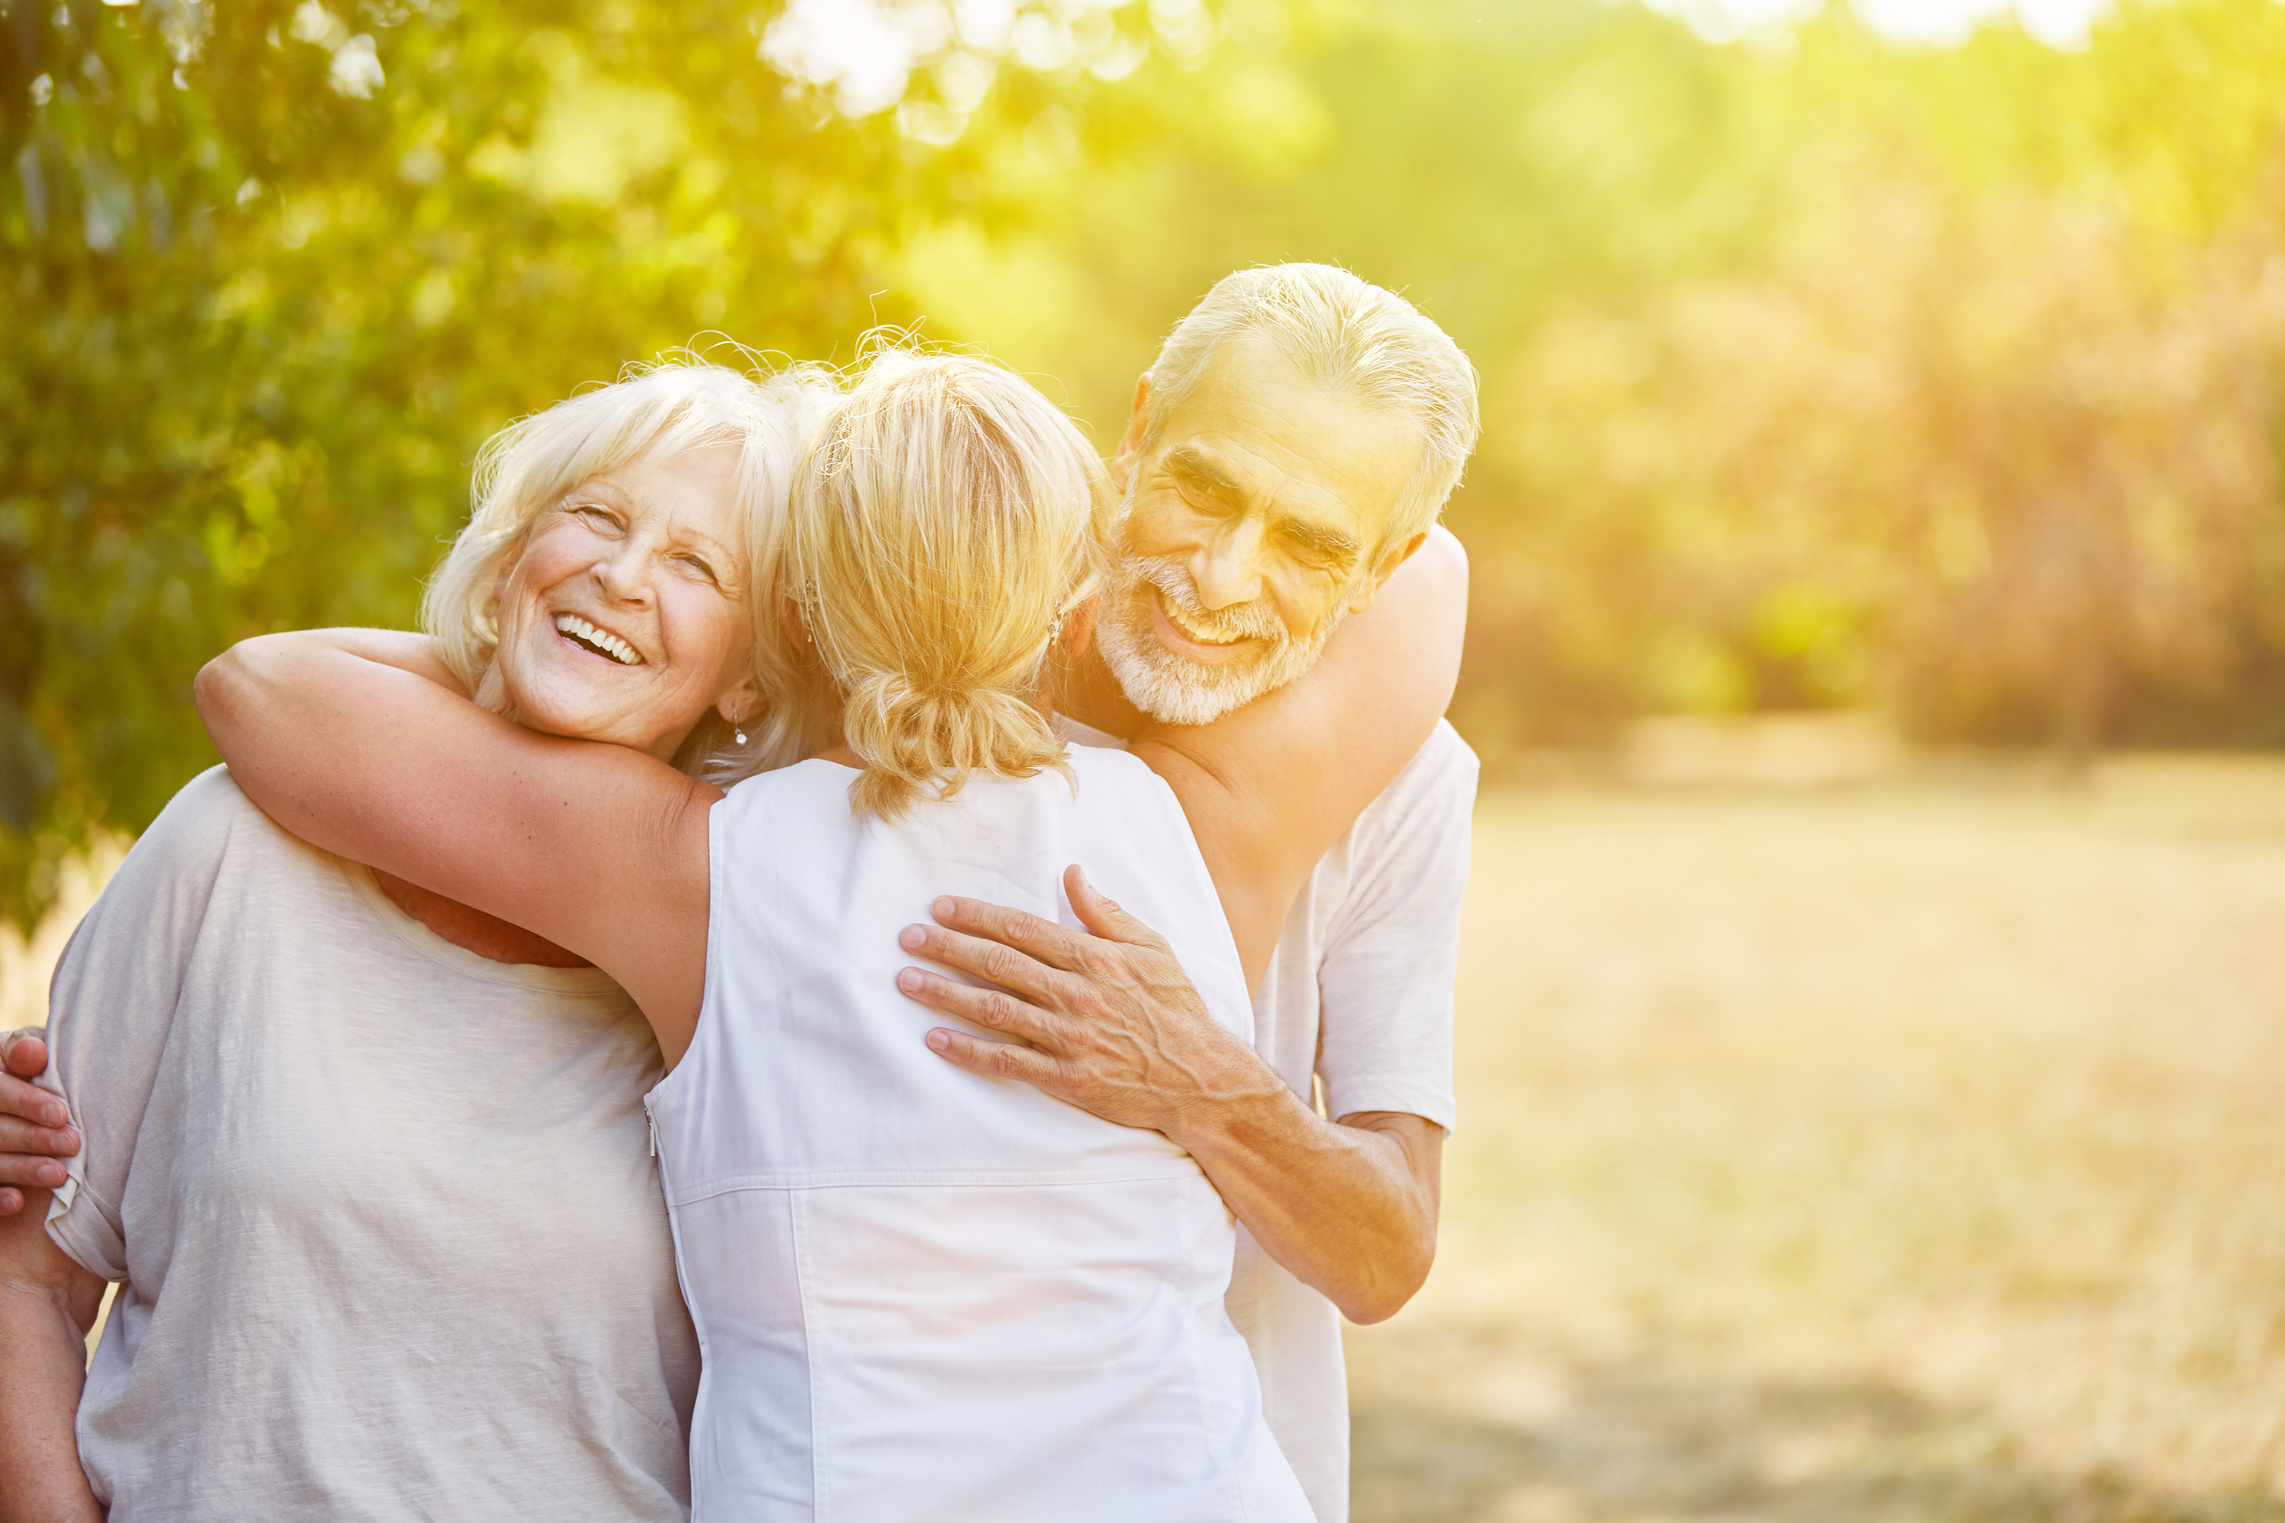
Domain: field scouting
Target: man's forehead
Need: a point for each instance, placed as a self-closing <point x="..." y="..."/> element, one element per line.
<point x="1255" y="427"/>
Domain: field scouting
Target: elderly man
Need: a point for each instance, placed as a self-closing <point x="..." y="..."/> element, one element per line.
<point x="1292" y="445"/>
<point x="1289" y="449"/>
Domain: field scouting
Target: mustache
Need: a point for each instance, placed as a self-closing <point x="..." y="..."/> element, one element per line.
<point x="1240" y="621"/>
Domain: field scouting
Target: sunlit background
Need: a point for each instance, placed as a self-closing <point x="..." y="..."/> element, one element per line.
<point x="1870" y="1065"/>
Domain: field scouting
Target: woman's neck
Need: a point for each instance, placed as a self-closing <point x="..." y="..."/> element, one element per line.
<point x="488" y="936"/>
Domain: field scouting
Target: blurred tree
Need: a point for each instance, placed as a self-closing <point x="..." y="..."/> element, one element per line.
<point x="1817" y="371"/>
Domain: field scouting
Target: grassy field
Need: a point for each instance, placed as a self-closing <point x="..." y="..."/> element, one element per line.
<point x="1910" y="1152"/>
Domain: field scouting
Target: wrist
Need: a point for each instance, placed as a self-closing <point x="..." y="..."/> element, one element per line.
<point x="1236" y="1115"/>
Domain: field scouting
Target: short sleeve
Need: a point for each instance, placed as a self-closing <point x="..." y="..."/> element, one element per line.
<point x="1391" y="956"/>
<point x="112" y="1004"/>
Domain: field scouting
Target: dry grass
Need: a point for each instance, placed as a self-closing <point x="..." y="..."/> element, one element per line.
<point x="1909" y="1153"/>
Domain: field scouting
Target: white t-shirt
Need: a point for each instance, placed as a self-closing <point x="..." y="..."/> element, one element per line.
<point x="1355" y="1015"/>
<point x="384" y="1211"/>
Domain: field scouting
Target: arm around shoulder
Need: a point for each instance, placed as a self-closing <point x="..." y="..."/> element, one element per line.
<point x="365" y="756"/>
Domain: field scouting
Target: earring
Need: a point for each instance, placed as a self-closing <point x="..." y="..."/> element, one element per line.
<point x="738" y="728"/>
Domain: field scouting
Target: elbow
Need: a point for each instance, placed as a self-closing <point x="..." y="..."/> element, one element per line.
<point x="224" y="691"/>
<point x="1382" y="1295"/>
<point x="1376" y="1305"/>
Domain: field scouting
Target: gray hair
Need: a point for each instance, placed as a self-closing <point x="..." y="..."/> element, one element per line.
<point x="652" y="411"/>
<point x="1348" y="336"/>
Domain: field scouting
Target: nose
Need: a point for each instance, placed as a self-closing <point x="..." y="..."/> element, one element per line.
<point x="624" y="576"/>
<point x="1227" y="569"/>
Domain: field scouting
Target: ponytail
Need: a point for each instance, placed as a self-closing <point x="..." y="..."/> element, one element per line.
<point x="942" y="528"/>
<point x="912" y="736"/>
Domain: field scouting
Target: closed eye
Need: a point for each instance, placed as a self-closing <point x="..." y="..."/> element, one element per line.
<point x="596" y="514"/>
<point x="701" y="566"/>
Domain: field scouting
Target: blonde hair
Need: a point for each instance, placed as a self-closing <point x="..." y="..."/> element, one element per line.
<point x="678" y="405"/>
<point x="942" y="528"/>
<point x="1346" y="335"/>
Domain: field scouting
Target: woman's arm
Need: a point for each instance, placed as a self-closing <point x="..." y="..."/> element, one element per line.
<point x="1272" y="786"/>
<point x="598" y="848"/>
<point x="47" y="1305"/>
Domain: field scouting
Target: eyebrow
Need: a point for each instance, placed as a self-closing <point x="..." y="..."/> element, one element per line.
<point x="1192" y="463"/>
<point x="1331" y="543"/>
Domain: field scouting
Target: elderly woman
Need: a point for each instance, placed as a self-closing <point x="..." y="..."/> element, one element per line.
<point x="370" y="1166"/>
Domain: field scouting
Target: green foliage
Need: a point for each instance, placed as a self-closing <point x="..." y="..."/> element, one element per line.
<point x="268" y="288"/>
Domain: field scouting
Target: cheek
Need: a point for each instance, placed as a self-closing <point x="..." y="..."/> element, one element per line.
<point x="547" y="559"/>
<point x="1161" y="525"/>
<point x="712" y="637"/>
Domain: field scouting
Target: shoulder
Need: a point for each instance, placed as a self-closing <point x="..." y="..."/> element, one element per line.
<point x="1425" y="811"/>
<point x="1444" y="770"/>
<point x="210" y="840"/>
<point x="802" y="785"/>
<point x="207" y="820"/>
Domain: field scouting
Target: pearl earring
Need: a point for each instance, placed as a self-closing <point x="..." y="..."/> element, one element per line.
<point x="738" y="728"/>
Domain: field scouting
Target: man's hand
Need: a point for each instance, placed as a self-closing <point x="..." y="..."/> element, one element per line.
<point x="35" y="1129"/>
<point x="1107" y="1020"/>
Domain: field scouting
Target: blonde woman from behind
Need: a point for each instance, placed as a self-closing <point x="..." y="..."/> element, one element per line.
<point x="923" y="1294"/>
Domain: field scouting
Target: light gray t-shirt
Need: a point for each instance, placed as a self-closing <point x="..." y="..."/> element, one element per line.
<point x="390" y="1238"/>
<point x="1355" y="1015"/>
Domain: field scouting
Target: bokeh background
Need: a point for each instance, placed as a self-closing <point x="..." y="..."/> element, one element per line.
<point x="1870" y="1060"/>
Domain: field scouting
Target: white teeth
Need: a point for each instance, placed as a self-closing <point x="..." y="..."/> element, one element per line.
<point x="1180" y="621"/>
<point x="610" y="644"/>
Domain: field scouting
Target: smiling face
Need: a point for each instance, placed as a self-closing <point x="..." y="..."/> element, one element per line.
<point x="1254" y="521"/>
<point x="623" y="618"/>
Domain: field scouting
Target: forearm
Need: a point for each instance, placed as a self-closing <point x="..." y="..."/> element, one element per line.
<point x="1349" y="1208"/>
<point x="43" y="1358"/>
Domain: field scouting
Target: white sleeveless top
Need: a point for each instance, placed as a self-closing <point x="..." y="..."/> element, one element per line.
<point x="926" y="1296"/>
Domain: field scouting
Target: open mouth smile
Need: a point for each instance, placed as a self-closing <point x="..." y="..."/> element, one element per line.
<point x="1172" y="622"/>
<point x="599" y="642"/>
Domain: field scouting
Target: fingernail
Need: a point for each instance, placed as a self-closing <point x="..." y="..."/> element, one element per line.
<point x="942" y="909"/>
<point x="909" y="980"/>
<point x="939" y="1041"/>
<point x="52" y="1174"/>
<point x="53" y="1114"/>
<point x="912" y="938"/>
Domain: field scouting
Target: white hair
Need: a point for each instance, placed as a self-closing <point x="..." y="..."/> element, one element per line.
<point x="1347" y="336"/>
<point x="652" y="411"/>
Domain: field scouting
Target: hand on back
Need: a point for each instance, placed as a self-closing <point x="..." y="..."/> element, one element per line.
<point x="35" y="1130"/>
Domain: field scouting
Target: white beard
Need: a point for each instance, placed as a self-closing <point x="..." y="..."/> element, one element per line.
<point x="1173" y="688"/>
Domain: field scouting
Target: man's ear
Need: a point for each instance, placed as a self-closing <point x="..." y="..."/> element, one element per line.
<point x="1079" y="627"/>
<point x="1130" y="442"/>
<point x="789" y="620"/>
<point x="1384" y="568"/>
